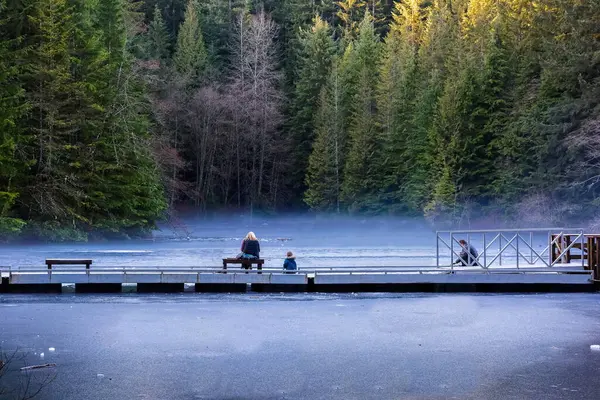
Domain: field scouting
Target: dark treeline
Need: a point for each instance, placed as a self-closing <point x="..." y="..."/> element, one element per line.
<point x="113" y="112"/>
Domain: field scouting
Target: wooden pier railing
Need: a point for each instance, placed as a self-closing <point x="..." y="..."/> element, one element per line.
<point x="590" y="251"/>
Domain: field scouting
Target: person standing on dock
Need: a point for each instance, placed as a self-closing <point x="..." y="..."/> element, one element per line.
<point x="468" y="255"/>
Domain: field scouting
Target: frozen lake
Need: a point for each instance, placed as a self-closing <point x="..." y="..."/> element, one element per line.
<point x="305" y="346"/>
<point x="317" y="242"/>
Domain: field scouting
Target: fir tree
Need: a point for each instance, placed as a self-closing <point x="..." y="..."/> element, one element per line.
<point x="325" y="164"/>
<point x="190" y="55"/>
<point x="360" y="174"/>
<point x="13" y="105"/>
<point x="398" y="86"/>
<point x="158" y="37"/>
<point x="124" y="186"/>
<point x="316" y="55"/>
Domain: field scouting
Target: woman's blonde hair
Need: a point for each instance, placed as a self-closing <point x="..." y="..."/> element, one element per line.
<point x="250" y="236"/>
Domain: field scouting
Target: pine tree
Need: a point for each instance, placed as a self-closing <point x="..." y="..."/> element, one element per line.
<point x="315" y="58"/>
<point x="158" y="37"/>
<point x="437" y="52"/>
<point x="12" y="108"/>
<point x="50" y="137"/>
<point x="123" y="181"/>
<point x="360" y="173"/>
<point x="398" y="86"/>
<point x="326" y="161"/>
<point x="350" y="13"/>
<point x="190" y="55"/>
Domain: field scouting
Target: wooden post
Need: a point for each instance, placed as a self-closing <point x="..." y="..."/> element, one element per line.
<point x="552" y="249"/>
<point x="594" y="255"/>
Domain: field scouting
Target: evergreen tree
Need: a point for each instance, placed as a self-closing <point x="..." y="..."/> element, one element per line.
<point x="12" y="108"/>
<point x="316" y="56"/>
<point x="124" y="184"/>
<point x="50" y="136"/>
<point x="399" y="82"/>
<point x="360" y="173"/>
<point x="158" y="37"/>
<point x="326" y="161"/>
<point x="190" y="55"/>
<point x="349" y="13"/>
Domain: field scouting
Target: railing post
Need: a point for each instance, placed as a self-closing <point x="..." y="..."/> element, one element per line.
<point x="451" y="251"/>
<point x="531" y="247"/>
<point x="500" y="250"/>
<point x="437" y="249"/>
<point x="484" y="252"/>
<point x="582" y="249"/>
<point x="550" y="249"/>
<point x="518" y="236"/>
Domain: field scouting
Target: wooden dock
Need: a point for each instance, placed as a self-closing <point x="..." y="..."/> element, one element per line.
<point x="364" y="279"/>
<point x="509" y="261"/>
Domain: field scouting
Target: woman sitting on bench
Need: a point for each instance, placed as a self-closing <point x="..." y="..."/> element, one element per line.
<point x="250" y="247"/>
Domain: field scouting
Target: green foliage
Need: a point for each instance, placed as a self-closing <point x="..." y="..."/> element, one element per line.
<point x="158" y="37"/>
<point x="361" y="175"/>
<point x="326" y="161"/>
<point x="466" y="102"/>
<point x="53" y="231"/>
<point x="190" y="55"/>
<point x="10" y="228"/>
<point x="315" y="57"/>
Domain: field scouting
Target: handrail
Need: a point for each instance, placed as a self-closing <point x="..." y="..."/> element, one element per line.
<point x="512" y="230"/>
<point x="303" y="271"/>
<point x="516" y="244"/>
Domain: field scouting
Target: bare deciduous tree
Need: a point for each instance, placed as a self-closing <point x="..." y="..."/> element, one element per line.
<point x="21" y="385"/>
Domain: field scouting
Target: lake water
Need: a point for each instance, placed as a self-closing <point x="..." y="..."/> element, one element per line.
<point x="293" y="346"/>
<point x="304" y="346"/>
<point x="317" y="242"/>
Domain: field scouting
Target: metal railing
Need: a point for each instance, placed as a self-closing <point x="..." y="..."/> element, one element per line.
<point x="519" y="247"/>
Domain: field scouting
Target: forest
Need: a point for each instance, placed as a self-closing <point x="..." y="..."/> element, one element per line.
<point x="115" y="114"/>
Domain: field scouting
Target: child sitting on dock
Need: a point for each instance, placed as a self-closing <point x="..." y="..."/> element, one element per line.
<point x="290" y="263"/>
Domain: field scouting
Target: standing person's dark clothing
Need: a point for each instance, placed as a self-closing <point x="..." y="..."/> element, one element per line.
<point x="468" y="255"/>
<point x="290" y="264"/>
<point x="251" y="247"/>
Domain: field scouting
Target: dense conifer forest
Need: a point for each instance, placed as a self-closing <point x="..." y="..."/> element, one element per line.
<point x="115" y="113"/>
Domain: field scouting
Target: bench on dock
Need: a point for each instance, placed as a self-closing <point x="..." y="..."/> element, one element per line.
<point x="62" y="261"/>
<point x="246" y="262"/>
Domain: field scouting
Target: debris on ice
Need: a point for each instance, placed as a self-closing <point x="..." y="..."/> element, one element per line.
<point x="38" y="366"/>
<point x="41" y="355"/>
<point x="595" y="347"/>
<point x="51" y="349"/>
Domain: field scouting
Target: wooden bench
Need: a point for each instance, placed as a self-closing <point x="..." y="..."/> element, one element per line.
<point x="246" y="262"/>
<point x="61" y="261"/>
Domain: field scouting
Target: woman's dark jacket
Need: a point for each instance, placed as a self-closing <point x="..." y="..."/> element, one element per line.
<point x="251" y="247"/>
